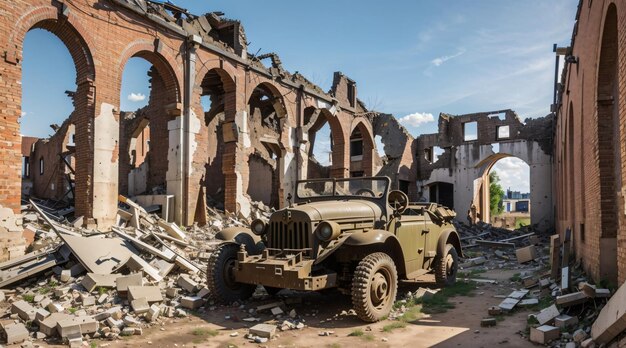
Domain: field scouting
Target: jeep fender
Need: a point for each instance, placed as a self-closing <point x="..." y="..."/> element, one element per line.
<point x="240" y="235"/>
<point x="449" y="236"/>
<point x="380" y="240"/>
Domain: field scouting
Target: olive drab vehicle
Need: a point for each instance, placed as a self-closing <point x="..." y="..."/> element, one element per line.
<point x="352" y="234"/>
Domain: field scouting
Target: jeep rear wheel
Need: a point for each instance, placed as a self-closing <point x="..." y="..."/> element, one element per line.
<point x="374" y="287"/>
<point x="446" y="266"/>
<point x="221" y="277"/>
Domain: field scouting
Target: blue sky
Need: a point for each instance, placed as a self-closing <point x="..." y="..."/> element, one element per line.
<point x="414" y="59"/>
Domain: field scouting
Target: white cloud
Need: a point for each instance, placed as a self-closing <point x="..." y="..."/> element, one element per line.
<point x="514" y="174"/>
<point x="24" y="113"/>
<point x="136" y="97"/>
<point x="440" y="60"/>
<point x="417" y="118"/>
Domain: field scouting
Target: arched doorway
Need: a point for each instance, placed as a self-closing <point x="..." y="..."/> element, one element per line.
<point x="147" y="93"/>
<point x="58" y="167"/>
<point x="609" y="157"/>
<point x="502" y="195"/>
<point x="266" y="118"/>
<point x="361" y="151"/>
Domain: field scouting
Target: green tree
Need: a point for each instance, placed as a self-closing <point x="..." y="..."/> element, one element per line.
<point x="495" y="193"/>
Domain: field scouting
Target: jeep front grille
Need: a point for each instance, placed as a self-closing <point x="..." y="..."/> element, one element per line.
<point x="294" y="235"/>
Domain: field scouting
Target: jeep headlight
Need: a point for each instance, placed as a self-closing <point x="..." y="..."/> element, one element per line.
<point x="258" y="227"/>
<point x="327" y="231"/>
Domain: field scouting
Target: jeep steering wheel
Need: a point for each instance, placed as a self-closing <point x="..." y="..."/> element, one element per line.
<point x="398" y="201"/>
<point x="365" y="192"/>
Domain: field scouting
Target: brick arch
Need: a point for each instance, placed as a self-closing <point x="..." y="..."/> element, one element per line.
<point x="279" y="105"/>
<point x="163" y="62"/>
<point x="368" y="146"/>
<point x="608" y="136"/>
<point x="317" y="120"/>
<point x="365" y="128"/>
<point x="68" y="29"/>
<point x="229" y="89"/>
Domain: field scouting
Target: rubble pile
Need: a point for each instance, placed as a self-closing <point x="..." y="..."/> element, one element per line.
<point x="79" y="283"/>
<point x="566" y="308"/>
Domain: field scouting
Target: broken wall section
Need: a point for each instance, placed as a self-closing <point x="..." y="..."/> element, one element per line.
<point x="456" y="161"/>
<point x="399" y="147"/>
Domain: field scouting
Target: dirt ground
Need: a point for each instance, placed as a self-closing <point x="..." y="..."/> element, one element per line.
<point x="459" y="326"/>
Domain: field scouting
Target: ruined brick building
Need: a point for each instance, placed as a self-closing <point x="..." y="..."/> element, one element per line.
<point x="252" y="144"/>
<point x="589" y="140"/>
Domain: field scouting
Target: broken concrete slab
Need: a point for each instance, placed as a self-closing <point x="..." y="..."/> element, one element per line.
<point x="547" y="314"/>
<point x="137" y="264"/>
<point x="172" y="229"/>
<point x="612" y="318"/>
<point x="508" y="304"/>
<point x="151" y="293"/>
<point x="99" y="255"/>
<point x="140" y="305"/>
<point x="91" y="281"/>
<point x="528" y="302"/>
<point x="544" y="334"/>
<point x="571" y="299"/>
<point x="124" y="282"/>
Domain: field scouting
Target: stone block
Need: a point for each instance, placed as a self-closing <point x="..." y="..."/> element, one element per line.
<point x="41" y="314"/>
<point x="185" y="282"/>
<point x="565" y="320"/>
<point x="150" y="293"/>
<point x="49" y="325"/>
<point x="544" y="334"/>
<point x="68" y="327"/>
<point x="153" y="313"/>
<point x="571" y="299"/>
<point x="192" y="302"/>
<point x="140" y="305"/>
<point x="24" y="310"/>
<point x="263" y="330"/>
<point x="526" y="254"/>
<point x="124" y="282"/>
<point x="16" y="333"/>
<point x="91" y="281"/>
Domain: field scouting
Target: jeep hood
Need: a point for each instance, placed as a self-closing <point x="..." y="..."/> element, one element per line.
<point x="340" y="210"/>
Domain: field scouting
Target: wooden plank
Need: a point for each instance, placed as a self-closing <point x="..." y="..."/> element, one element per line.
<point x="555" y="260"/>
<point x="494" y="244"/>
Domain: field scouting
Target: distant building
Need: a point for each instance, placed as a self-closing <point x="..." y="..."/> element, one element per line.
<point x="515" y="201"/>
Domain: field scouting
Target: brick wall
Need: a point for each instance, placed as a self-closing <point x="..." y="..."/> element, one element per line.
<point x="589" y="150"/>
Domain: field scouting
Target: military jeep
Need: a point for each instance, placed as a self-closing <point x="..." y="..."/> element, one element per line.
<point x="352" y="234"/>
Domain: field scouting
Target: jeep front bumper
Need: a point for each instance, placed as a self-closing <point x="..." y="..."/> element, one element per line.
<point x="281" y="271"/>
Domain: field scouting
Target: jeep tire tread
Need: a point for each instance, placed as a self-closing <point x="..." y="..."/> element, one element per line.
<point x="374" y="287"/>
<point x="220" y="279"/>
<point x="446" y="266"/>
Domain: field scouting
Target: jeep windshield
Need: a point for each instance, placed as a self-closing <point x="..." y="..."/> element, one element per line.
<point x="353" y="187"/>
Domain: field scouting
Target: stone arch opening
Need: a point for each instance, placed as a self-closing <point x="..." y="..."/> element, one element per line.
<point x="267" y="114"/>
<point x="217" y="98"/>
<point x="46" y="50"/>
<point x="513" y="208"/>
<point x="149" y="103"/>
<point x="361" y="151"/>
<point x="323" y="132"/>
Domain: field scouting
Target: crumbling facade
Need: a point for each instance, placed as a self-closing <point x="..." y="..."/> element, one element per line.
<point x="589" y="147"/>
<point x="453" y="165"/>
<point x="252" y="144"/>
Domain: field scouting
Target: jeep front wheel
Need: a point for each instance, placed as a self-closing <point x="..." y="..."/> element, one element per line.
<point x="446" y="266"/>
<point x="374" y="287"/>
<point x="221" y="277"/>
